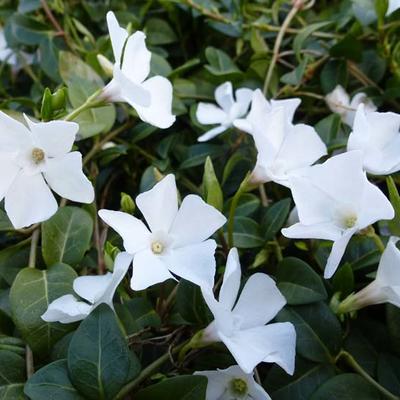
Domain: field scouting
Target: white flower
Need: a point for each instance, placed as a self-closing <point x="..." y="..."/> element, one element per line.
<point x="151" y="98"/>
<point x="241" y="326"/>
<point x="233" y="384"/>
<point x="228" y="111"/>
<point x="260" y="107"/>
<point x="386" y="286"/>
<point x="335" y="200"/>
<point x="283" y="148"/>
<point x="94" y="290"/>
<point x="34" y="159"/>
<point x="176" y="240"/>
<point x="393" y="6"/>
<point x="377" y="136"/>
<point x="11" y="57"/>
<point x="339" y="102"/>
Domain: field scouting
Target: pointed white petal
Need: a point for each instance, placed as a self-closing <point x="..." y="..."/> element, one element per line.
<point x="65" y="176"/>
<point x="159" y="205"/>
<point x="289" y="106"/>
<point x="326" y="231"/>
<point x="208" y="114"/>
<point x="243" y="99"/>
<point x="148" y="269"/>
<point x="224" y="96"/>
<point x="393" y="6"/>
<point x="212" y="133"/>
<point x="8" y="172"/>
<point x="338" y="100"/>
<point x="195" y="263"/>
<point x="133" y="231"/>
<point x="92" y="287"/>
<point x="195" y="221"/>
<point x="159" y="112"/>
<point x="13" y="134"/>
<point x="66" y="309"/>
<point x="259" y="289"/>
<point x="338" y="249"/>
<point x="136" y="62"/>
<point x="55" y="137"/>
<point x="217" y="385"/>
<point x="29" y="200"/>
<point x="118" y="36"/>
<point x="389" y="266"/>
<point x="231" y="283"/>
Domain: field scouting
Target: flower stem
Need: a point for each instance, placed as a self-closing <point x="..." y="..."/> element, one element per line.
<point x="148" y="371"/>
<point x="90" y="102"/>
<point x="231" y="221"/>
<point x="378" y="242"/>
<point x="357" y="367"/>
<point x="33" y="250"/>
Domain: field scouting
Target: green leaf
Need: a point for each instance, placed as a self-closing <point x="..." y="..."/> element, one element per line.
<point x="12" y="260"/>
<point x="274" y="218"/>
<point x="99" y="359"/>
<point x="299" y="283"/>
<point x="198" y="153"/>
<point x="52" y="382"/>
<point x="295" y="77"/>
<point x="247" y="205"/>
<point x="12" y="370"/>
<point x="333" y="73"/>
<point x="343" y="280"/>
<point x="27" y="30"/>
<point x="220" y="63"/>
<point x="319" y="334"/>
<point x="246" y="233"/>
<point x="82" y="81"/>
<point x="393" y="324"/>
<point x="211" y="187"/>
<point x="394" y="224"/>
<point x="328" y="129"/>
<point x="66" y="236"/>
<point x="31" y="293"/>
<point x="178" y="388"/>
<point x="389" y="372"/>
<point x="306" y="379"/>
<point x="346" y="387"/>
<point x="349" y="47"/>
<point x="304" y="34"/>
<point x="159" y="32"/>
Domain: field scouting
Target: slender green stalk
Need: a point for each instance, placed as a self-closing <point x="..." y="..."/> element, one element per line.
<point x="147" y="372"/>
<point x="231" y="220"/>
<point x="33" y="250"/>
<point x="378" y="242"/>
<point x="357" y="367"/>
<point x="91" y="101"/>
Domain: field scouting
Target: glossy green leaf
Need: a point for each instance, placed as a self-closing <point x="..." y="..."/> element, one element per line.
<point x="211" y="187"/>
<point x="219" y="62"/>
<point x="274" y="218"/>
<point x="66" y="236"/>
<point x="31" y="293"/>
<point x="394" y="224"/>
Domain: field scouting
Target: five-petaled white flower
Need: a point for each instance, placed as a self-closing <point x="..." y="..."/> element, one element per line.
<point x="176" y="240"/>
<point x="377" y="135"/>
<point x="260" y="107"/>
<point x="283" y="148"/>
<point x="151" y="98"/>
<point x="393" y="6"/>
<point x="94" y="290"/>
<point x="34" y="158"/>
<point x="339" y="102"/>
<point x="386" y="286"/>
<point x="228" y="111"/>
<point x="233" y="384"/>
<point x="241" y="326"/>
<point x="334" y="200"/>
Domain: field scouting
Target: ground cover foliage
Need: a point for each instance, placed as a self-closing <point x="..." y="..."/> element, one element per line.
<point x="286" y="49"/>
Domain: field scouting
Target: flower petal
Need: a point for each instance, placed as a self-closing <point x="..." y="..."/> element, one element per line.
<point x="55" y="137"/>
<point x="270" y="343"/>
<point x="159" y="112"/>
<point x="243" y="100"/>
<point x="8" y="172"/>
<point x="65" y="176"/>
<point x="148" y="269"/>
<point x="195" y="221"/>
<point x="14" y="135"/>
<point x="195" y="263"/>
<point x="66" y="309"/>
<point x="29" y="200"/>
<point x="218" y="383"/>
<point x="389" y="266"/>
<point x="338" y="249"/>
<point x="118" y="36"/>
<point x="208" y="114"/>
<point x="92" y="287"/>
<point x="224" y="96"/>
<point x="289" y="106"/>
<point x="212" y="133"/>
<point x="136" y="63"/>
<point x="231" y="282"/>
<point x="259" y="289"/>
<point x="374" y="206"/>
<point x="159" y="205"/>
<point x="133" y="231"/>
<point x="326" y="231"/>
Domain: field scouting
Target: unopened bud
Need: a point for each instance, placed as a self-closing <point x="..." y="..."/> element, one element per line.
<point x="127" y="203"/>
<point x="106" y="65"/>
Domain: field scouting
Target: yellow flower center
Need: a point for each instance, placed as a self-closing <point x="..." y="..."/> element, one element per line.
<point x="239" y="386"/>
<point x="157" y="247"/>
<point x="37" y="155"/>
<point x="350" y="221"/>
